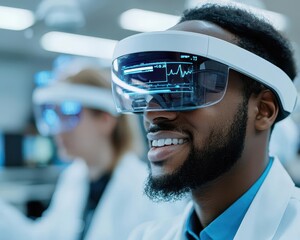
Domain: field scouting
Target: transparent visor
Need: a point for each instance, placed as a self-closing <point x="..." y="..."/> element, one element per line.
<point x="53" y="118"/>
<point x="171" y="81"/>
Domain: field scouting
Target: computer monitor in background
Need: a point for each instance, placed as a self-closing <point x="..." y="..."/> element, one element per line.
<point x="26" y="150"/>
<point x="37" y="151"/>
<point x="1" y="151"/>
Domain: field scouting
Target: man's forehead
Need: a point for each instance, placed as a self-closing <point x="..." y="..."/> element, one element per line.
<point x="207" y="28"/>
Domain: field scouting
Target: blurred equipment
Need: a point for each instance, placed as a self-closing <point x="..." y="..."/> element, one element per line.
<point x="284" y="141"/>
<point x="64" y="15"/>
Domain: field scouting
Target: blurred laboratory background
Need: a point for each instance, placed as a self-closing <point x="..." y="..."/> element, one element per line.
<point x="36" y="36"/>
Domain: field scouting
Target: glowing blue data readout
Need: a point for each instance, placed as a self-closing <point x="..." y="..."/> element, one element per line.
<point x="164" y="72"/>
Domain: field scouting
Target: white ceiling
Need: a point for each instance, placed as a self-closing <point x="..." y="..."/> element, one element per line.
<point x="102" y="21"/>
<point x="21" y="54"/>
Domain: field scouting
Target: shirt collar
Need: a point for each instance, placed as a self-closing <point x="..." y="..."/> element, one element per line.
<point x="226" y="225"/>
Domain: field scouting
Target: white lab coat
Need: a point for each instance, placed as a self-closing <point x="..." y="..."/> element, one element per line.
<point x="121" y="208"/>
<point x="273" y="214"/>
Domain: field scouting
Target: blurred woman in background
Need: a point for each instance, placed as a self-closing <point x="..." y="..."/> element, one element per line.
<point x="100" y="194"/>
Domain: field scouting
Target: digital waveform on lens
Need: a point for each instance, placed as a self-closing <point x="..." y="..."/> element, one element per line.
<point x="179" y="70"/>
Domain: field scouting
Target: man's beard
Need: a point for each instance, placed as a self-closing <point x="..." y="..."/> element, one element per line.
<point x="220" y="153"/>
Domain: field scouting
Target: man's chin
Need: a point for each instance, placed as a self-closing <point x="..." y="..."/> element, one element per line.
<point x="163" y="188"/>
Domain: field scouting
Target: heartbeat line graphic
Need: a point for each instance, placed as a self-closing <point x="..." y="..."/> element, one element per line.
<point x="180" y="71"/>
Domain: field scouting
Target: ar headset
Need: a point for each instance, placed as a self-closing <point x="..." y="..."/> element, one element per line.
<point x="58" y="107"/>
<point x="179" y="71"/>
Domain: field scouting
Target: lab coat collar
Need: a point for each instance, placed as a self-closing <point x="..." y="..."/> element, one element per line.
<point x="265" y="212"/>
<point x="261" y="221"/>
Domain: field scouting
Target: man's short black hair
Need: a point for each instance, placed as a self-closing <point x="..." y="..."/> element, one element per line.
<point x="252" y="33"/>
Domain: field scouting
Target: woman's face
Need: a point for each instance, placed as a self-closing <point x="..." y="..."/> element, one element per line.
<point x="86" y="138"/>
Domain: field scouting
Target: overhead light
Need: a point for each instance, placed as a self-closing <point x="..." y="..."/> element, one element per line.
<point x="145" y="21"/>
<point x="81" y="45"/>
<point x="279" y="21"/>
<point x="15" y="18"/>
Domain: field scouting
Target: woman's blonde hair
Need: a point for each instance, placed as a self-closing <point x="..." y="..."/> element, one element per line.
<point x="124" y="139"/>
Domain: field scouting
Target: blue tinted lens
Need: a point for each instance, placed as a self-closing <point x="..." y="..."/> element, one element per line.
<point x="53" y="119"/>
<point x="173" y="81"/>
<point x="70" y="108"/>
<point x="50" y="117"/>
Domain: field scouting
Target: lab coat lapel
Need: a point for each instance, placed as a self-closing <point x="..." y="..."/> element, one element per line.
<point x="113" y="201"/>
<point x="266" y="211"/>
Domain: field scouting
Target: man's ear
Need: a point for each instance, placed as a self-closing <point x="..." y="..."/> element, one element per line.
<point x="268" y="109"/>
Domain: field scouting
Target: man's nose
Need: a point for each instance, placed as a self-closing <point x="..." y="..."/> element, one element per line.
<point x="155" y="117"/>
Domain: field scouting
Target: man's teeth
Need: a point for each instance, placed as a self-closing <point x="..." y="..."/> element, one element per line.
<point x="165" y="142"/>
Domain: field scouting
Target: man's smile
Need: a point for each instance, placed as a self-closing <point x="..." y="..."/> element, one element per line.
<point x="164" y="144"/>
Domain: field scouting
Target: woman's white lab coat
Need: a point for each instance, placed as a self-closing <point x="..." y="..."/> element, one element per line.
<point x="274" y="214"/>
<point x="121" y="208"/>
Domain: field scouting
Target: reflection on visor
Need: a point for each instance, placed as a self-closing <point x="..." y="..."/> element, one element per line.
<point x="56" y="118"/>
<point x="167" y="81"/>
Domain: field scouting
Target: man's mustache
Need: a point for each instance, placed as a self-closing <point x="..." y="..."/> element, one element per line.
<point x="163" y="127"/>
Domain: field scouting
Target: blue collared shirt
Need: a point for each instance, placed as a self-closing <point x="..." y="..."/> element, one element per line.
<point x="226" y="225"/>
